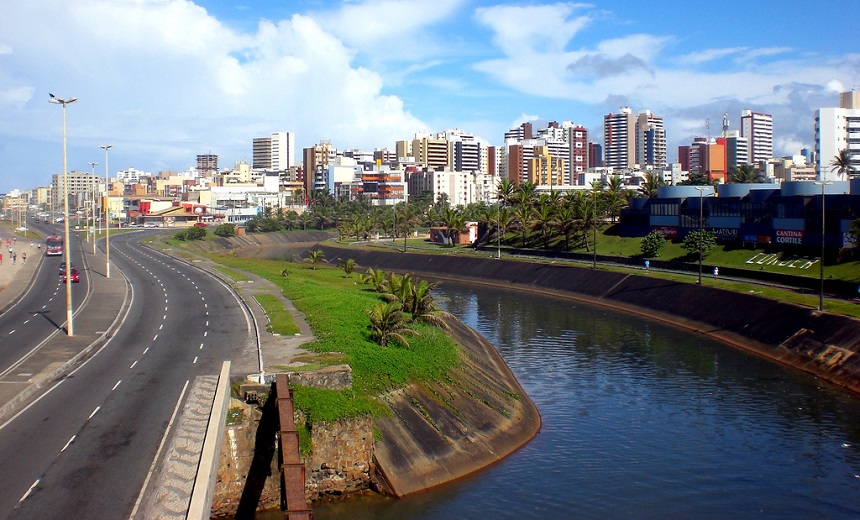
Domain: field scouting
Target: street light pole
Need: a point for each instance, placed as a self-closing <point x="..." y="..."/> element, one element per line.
<point x="821" y="261"/>
<point x="93" y="204"/>
<point x="701" y="217"/>
<point x="499" y="231"/>
<point x="107" y="147"/>
<point x="70" y="328"/>
<point x="594" y="224"/>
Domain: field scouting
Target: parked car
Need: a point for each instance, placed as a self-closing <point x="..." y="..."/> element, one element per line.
<point x="199" y="224"/>
<point x="76" y="277"/>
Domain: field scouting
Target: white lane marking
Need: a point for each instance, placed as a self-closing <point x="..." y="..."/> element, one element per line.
<point x="145" y="351"/>
<point x="116" y="385"/>
<point x="12" y="332"/>
<point x="161" y="326"/>
<point x="205" y="333"/>
<point x="68" y="443"/>
<point x="164" y="317"/>
<point x="26" y="322"/>
<point x="207" y="323"/>
<point x="132" y="365"/>
<point x="201" y="346"/>
<point x="155" y="337"/>
<point x="29" y="491"/>
<point x="195" y="360"/>
<point x="94" y="412"/>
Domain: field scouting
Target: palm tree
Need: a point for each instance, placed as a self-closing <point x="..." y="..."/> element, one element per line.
<point x="541" y="220"/>
<point x="399" y="289"/>
<point x="423" y="307"/>
<point x="315" y="257"/>
<point x="388" y="323"/>
<point x="506" y="189"/>
<point x="615" y="196"/>
<point x="649" y="187"/>
<point x="565" y="222"/>
<point x="841" y="163"/>
<point x="522" y="214"/>
<point x="375" y="278"/>
<point x="348" y="266"/>
<point x="745" y="174"/>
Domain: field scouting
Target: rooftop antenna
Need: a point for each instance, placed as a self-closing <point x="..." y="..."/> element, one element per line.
<point x="708" y="127"/>
<point x="725" y="125"/>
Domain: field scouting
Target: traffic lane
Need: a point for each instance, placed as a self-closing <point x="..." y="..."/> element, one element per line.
<point x="41" y="311"/>
<point x="130" y="409"/>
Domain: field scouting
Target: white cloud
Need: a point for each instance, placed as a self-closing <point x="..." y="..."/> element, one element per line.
<point x="523" y="30"/>
<point x="170" y="81"/>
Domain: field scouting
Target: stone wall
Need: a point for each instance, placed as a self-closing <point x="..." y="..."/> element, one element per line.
<point x="342" y="458"/>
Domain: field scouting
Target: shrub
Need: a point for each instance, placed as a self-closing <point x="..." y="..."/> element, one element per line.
<point x="225" y="230"/>
<point x="696" y="238"/>
<point x="195" y="233"/>
<point x="652" y="243"/>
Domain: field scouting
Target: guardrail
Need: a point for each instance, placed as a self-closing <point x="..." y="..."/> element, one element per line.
<point x="293" y="501"/>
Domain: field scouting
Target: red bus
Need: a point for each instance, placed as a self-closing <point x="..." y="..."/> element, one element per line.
<point x="54" y="246"/>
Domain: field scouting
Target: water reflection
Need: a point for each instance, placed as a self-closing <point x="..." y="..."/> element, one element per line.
<point x="645" y="421"/>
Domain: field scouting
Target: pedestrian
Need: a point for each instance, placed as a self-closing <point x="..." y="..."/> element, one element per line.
<point x="14" y="258"/>
<point x="1" y="258"/>
<point x="648" y="265"/>
<point x="24" y="257"/>
<point x="716" y="272"/>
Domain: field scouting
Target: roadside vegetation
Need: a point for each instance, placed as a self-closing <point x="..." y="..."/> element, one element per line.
<point x="336" y="308"/>
<point x="280" y="320"/>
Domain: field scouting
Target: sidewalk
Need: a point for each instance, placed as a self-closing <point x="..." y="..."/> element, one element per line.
<point x="16" y="277"/>
<point x="95" y="323"/>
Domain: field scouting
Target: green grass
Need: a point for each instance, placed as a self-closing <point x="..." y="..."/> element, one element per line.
<point x="280" y="320"/>
<point x="235" y="275"/>
<point x="334" y="307"/>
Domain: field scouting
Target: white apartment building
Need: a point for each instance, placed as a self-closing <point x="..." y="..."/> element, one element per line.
<point x="131" y="176"/>
<point x="650" y="141"/>
<point x="461" y="188"/>
<point x="619" y="142"/>
<point x="274" y="153"/>
<point x="757" y="128"/>
<point x="837" y="129"/>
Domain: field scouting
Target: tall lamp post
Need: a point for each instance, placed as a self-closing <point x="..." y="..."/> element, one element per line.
<point x="701" y="190"/>
<point x="821" y="262"/>
<point x="499" y="238"/>
<point x="70" y="327"/>
<point x="107" y="147"/>
<point x="594" y="224"/>
<point x="93" y="204"/>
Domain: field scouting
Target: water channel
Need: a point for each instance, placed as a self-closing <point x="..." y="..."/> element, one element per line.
<point x="641" y="420"/>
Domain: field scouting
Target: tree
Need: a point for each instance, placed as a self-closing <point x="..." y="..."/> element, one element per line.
<point x="315" y="257"/>
<point x="225" y="230"/>
<point x="841" y="163"/>
<point x="615" y="196"/>
<point x="348" y="266"/>
<point x="696" y="239"/>
<point x="697" y="179"/>
<point x="388" y="323"/>
<point x="541" y="220"/>
<point x="424" y="308"/>
<point x="746" y="174"/>
<point x="652" y="243"/>
<point x="649" y="187"/>
<point x="375" y="278"/>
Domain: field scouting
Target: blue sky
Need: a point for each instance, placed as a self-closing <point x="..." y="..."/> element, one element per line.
<point x="164" y="80"/>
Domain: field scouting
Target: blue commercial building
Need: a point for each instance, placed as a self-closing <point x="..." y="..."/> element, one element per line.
<point x="783" y="216"/>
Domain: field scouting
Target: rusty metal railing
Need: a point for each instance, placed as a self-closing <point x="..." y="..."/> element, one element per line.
<point x="293" y="501"/>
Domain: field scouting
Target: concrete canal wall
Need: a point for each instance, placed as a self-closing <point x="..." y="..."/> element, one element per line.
<point x="819" y="343"/>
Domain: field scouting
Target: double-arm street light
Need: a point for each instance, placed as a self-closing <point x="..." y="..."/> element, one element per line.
<point x="70" y="328"/>
<point x="107" y="147"/>
<point x="821" y="262"/>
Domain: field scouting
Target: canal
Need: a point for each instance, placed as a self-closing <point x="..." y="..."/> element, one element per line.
<point x="641" y="420"/>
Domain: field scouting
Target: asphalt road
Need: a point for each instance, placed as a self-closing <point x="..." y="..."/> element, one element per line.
<point x="87" y="447"/>
<point x="42" y="311"/>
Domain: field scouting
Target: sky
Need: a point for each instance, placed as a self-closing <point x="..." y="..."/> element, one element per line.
<point x="165" y="80"/>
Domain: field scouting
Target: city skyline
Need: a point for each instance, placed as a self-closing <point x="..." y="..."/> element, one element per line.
<point x="166" y="80"/>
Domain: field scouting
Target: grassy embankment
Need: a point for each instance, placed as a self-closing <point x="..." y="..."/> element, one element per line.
<point x="334" y="306"/>
<point x="280" y="320"/>
<point x="610" y="244"/>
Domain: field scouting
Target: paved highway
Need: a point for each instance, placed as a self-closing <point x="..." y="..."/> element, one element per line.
<point x="87" y="447"/>
<point x="42" y="310"/>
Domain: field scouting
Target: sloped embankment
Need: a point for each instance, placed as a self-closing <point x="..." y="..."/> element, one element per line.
<point x="823" y="344"/>
<point x="445" y="431"/>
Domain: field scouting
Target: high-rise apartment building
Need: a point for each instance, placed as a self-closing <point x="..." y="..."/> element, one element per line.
<point x="737" y="149"/>
<point x="838" y="129"/>
<point x="650" y="141"/>
<point x="274" y="153"/>
<point x="207" y="165"/>
<point x="619" y="140"/>
<point x="757" y="128"/>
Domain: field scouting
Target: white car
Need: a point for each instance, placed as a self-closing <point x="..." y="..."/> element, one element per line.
<point x="22" y="228"/>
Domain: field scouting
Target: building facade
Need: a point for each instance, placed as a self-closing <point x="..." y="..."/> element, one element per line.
<point x="838" y="129"/>
<point x="757" y="128"/>
<point x="619" y="141"/>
